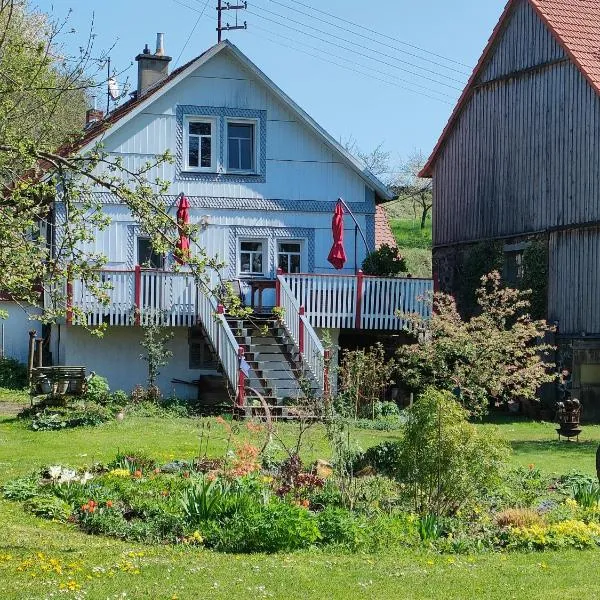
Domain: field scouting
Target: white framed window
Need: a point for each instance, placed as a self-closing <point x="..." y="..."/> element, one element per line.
<point x="252" y="257"/>
<point x="200" y="151"/>
<point x="289" y="256"/>
<point x="242" y="148"/>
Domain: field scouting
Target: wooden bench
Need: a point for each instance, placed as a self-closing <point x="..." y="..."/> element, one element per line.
<point x="58" y="381"/>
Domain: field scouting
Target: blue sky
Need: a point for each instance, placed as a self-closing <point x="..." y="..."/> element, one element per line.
<point x="346" y="103"/>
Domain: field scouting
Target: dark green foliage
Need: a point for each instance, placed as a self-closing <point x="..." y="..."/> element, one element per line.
<point x="49" y="507"/>
<point x="83" y="415"/>
<point x="429" y="527"/>
<point x="384" y="262"/>
<point x="340" y="527"/>
<point x="384" y="458"/>
<point x="587" y="494"/>
<point x="479" y="260"/>
<point x="535" y="276"/>
<point x="203" y="499"/>
<point x="97" y="390"/>
<point x="21" y="489"/>
<point x="13" y="374"/>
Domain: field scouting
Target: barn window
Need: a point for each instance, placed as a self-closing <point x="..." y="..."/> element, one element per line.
<point x="513" y="263"/>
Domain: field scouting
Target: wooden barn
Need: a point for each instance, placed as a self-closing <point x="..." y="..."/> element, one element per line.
<point x="516" y="176"/>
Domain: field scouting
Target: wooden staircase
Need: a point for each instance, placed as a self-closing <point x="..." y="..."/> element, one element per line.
<point x="277" y="372"/>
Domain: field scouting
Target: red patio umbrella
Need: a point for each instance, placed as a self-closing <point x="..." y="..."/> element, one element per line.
<point x="337" y="254"/>
<point x="183" y="219"/>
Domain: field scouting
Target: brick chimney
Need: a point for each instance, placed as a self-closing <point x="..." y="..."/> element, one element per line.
<point x="152" y="68"/>
<point x="93" y="115"/>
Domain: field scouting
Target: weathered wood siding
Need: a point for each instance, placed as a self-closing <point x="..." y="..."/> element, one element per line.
<point x="524" y="154"/>
<point x="524" y="43"/>
<point x="574" y="283"/>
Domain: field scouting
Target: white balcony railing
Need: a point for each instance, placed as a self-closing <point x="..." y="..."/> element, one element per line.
<point x="359" y="302"/>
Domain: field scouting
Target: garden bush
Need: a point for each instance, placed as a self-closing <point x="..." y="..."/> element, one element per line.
<point x="80" y="415"/>
<point x="443" y="460"/>
<point x="384" y="458"/>
<point x="98" y="390"/>
<point x="13" y="374"/>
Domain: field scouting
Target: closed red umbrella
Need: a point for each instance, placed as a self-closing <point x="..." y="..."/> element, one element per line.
<point x="183" y="219"/>
<point x="337" y="255"/>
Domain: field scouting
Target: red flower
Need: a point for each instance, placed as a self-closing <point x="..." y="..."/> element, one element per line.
<point x="137" y="474"/>
<point x="109" y="503"/>
<point x="186" y="474"/>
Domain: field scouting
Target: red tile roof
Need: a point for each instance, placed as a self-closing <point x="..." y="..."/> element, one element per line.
<point x="576" y="26"/>
<point x="383" y="231"/>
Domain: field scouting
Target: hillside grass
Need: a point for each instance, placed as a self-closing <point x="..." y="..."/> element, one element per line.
<point x="35" y="554"/>
<point x="414" y="242"/>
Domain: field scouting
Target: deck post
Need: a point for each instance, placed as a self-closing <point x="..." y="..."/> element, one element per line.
<point x="359" y="295"/>
<point x="278" y="287"/>
<point x="220" y="311"/>
<point x="301" y="312"/>
<point x="138" y="294"/>
<point x="241" y="391"/>
<point x="326" y="384"/>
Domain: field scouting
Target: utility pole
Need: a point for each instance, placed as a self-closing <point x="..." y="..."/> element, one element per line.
<point x="227" y="27"/>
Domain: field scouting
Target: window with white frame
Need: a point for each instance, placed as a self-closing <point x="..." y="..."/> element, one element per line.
<point x="241" y="145"/>
<point x="252" y="257"/>
<point x="289" y="256"/>
<point x="201" y="144"/>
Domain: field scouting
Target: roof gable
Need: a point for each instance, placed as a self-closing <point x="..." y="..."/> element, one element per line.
<point x="131" y="109"/>
<point x="574" y="24"/>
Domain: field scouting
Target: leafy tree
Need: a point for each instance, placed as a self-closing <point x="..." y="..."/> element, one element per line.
<point x="496" y="355"/>
<point x="410" y="187"/>
<point x="444" y="461"/>
<point x="43" y="94"/>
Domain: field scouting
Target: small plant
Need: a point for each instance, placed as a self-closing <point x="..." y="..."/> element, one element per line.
<point x="587" y="495"/>
<point x="98" y="389"/>
<point x="203" y="499"/>
<point x="21" y="489"/>
<point x="154" y="342"/>
<point x="518" y="517"/>
<point x="429" y="527"/>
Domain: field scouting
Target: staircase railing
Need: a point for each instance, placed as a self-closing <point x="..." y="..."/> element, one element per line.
<point x="301" y="331"/>
<point x="223" y="341"/>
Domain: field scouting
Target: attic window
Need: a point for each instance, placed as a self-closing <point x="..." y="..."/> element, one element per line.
<point x="200" y="144"/>
<point x="241" y="146"/>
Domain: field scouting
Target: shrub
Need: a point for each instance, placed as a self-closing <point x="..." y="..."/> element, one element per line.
<point x="386" y="261"/>
<point x="495" y="356"/>
<point x="384" y="458"/>
<point x="572" y="533"/>
<point x="13" y="374"/>
<point x="385" y="409"/>
<point x="429" y="527"/>
<point x="443" y="460"/>
<point x="275" y="527"/>
<point x="340" y="527"/>
<point x="97" y="390"/>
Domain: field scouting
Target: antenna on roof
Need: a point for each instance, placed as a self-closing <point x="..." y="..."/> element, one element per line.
<point x="227" y="27"/>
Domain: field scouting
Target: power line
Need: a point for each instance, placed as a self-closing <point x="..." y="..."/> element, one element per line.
<point x="350" y="68"/>
<point x="354" y="70"/>
<point x="389" y="37"/>
<point x="329" y="34"/>
<point x="191" y="32"/>
<point x="370" y="38"/>
<point x="329" y="54"/>
<point x="356" y="52"/>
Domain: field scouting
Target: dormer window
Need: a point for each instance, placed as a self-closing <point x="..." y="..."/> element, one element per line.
<point x="200" y="144"/>
<point x="241" y="146"/>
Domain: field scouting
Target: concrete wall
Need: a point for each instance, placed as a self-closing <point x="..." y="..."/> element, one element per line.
<point x="116" y="356"/>
<point x="14" y="338"/>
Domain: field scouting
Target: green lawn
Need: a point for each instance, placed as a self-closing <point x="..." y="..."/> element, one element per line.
<point x="105" y="568"/>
